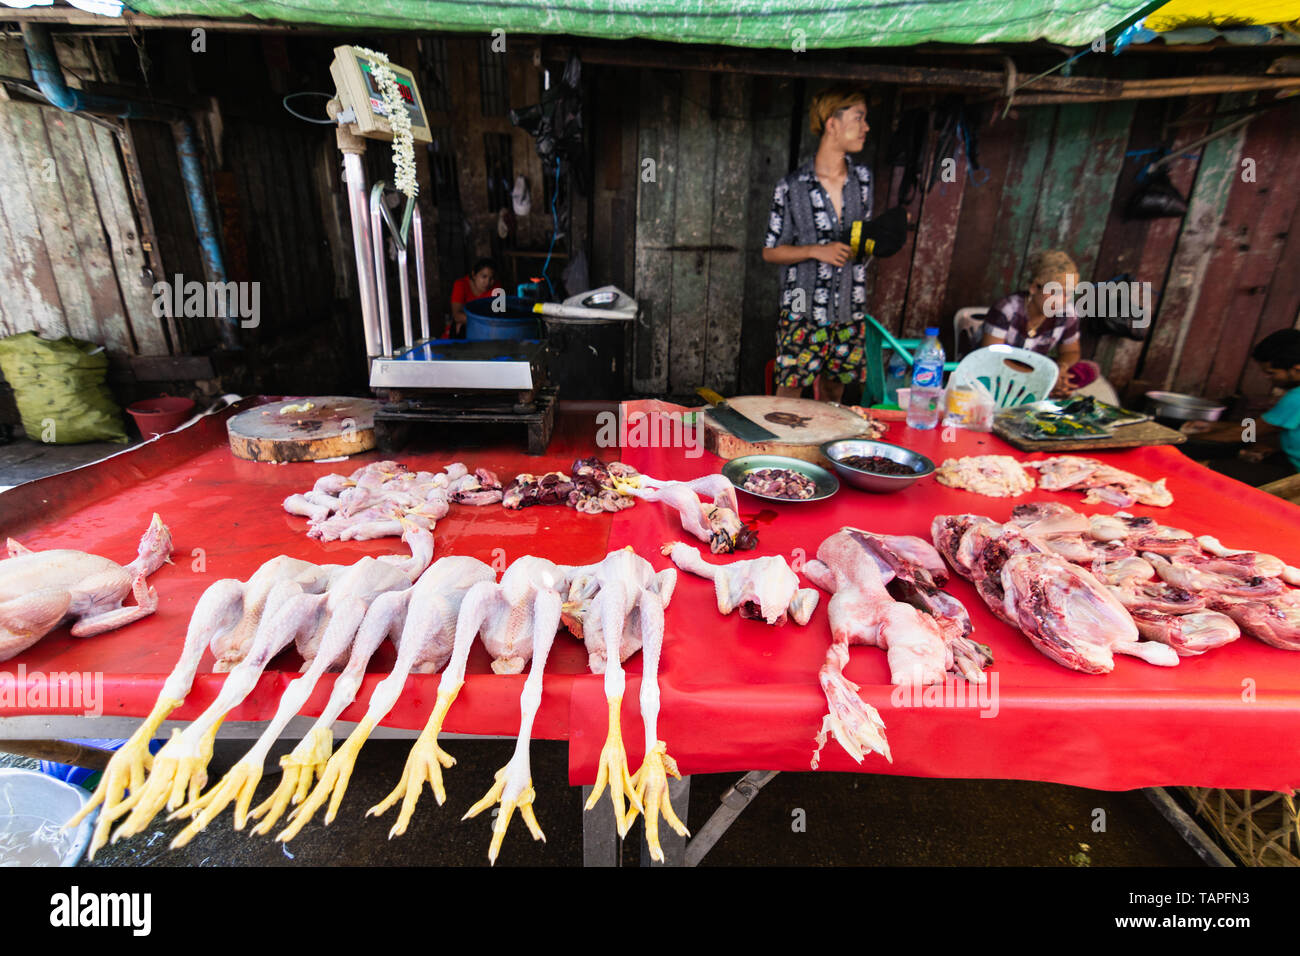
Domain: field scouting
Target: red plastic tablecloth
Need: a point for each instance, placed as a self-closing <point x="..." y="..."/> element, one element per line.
<point x="736" y="695"/>
<point x="226" y="519"/>
<point x="739" y="695"/>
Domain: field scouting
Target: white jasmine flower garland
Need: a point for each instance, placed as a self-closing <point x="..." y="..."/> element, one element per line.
<point x="398" y="119"/>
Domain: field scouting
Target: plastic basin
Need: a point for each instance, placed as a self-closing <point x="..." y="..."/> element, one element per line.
<point x="155" y="416"/>
<point x="33" y="809"/>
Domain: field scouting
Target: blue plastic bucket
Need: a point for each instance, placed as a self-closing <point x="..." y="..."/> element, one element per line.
<point x="518" y="321"/>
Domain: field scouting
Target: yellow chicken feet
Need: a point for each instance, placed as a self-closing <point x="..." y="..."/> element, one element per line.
<point x="237" y="786"/>
<point x="299" y="769"/>
<point x="613" y="770"/>
<point x="523" y="802"/>
<point x="651" y="785"/>
<point x="125" y="771"/>
<point x="426" y="761"/>
<point x="333" y="783"/>
<point x="179" y="773"/>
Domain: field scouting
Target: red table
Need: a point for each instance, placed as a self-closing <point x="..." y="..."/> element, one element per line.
<point x="736" y="694"/>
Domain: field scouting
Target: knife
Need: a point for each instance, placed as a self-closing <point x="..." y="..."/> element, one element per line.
<point x="743" y="428"/>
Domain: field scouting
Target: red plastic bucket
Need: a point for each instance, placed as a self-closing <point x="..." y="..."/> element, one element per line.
<point x="154" y="416"/>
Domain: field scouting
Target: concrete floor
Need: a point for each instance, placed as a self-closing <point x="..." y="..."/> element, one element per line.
<point x="851" y="819"/>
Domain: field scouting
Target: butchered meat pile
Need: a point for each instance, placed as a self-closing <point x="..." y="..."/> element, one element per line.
<point x="1084" y="588"/>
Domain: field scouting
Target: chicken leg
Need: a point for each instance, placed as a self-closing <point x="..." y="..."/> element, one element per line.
<point x="427" y="637"/>
<point x="181" y="765"/>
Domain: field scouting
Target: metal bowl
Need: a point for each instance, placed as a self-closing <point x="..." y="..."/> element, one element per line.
<point x="600" y="300"/>
<point x="870" y="481"/>
<point x="736" y="470"/>
<point x="1183" y="407"/>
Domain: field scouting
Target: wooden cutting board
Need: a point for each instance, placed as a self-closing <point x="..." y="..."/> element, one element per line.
<point x="800" y="424"/>
<point x="1126" y="436"/>
<point x="304" y="429"/>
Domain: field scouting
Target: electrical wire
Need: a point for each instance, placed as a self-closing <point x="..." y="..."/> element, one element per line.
<point x="306" y="119"/>
<point x="555" y="228"/>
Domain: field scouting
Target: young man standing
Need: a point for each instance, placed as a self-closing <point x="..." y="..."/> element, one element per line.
<point x="823" y="293"/>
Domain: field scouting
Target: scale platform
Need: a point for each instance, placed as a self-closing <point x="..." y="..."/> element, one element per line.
<point x="456" y="364"/>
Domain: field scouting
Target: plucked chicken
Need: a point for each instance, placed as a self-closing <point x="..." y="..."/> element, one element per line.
<point x="764" y="589"/>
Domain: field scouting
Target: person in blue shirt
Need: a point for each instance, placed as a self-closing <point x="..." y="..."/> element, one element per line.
<point x="1275" y="452"/>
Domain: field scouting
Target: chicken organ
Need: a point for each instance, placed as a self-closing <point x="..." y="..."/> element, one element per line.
<point x="39" y="590"/>
<point x="995" y="476"/>
<point x="590" y="487"/>
<point x="764" y="589"/>
<point x="1104" y="484"/>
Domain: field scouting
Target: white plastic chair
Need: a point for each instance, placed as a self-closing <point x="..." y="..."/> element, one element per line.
<point x="1009" y="385"/>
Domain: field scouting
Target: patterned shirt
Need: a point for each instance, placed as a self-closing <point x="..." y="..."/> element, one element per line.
<point x="1009" y="318"/>
<point x="803" y="215"/>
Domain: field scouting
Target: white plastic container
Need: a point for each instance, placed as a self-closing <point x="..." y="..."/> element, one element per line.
<point x="33" y="809"/>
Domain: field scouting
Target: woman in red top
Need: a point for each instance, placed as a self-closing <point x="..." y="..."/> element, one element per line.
<point x="479" y="284"/>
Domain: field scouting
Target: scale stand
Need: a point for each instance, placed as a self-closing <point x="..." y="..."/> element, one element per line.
<point x="426" y="380"/>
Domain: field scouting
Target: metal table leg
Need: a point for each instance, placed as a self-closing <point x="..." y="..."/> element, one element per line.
<point x="734" y="802"/>
<point x="674" y="846"/>
<point x="600" y="842"/>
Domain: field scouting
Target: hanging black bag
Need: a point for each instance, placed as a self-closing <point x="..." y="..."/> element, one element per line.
<point x="1155" y="197"/>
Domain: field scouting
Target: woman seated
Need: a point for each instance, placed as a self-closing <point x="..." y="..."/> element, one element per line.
<point x="1022" y="320"/>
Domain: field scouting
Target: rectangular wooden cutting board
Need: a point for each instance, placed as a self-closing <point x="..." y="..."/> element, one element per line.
<point x="801" y="426"/>
<point x="1126" y="436"/>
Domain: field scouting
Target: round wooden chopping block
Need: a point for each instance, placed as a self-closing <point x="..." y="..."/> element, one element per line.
<point x="304" y="429"/>
<point x="800" y="424"/>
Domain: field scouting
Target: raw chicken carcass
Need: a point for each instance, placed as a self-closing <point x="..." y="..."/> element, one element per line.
<point x="764" y="589"/>
<point x="1189" y="634"/>
<point x="1276" y="621"/>
<point x="39" y="590"/>
<point x="996" y="476"/>
<point x="1103" y="484"/>
<point x="1071" y="617"/>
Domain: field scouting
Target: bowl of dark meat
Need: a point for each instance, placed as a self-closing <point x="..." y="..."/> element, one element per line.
<point x="876" y="466"/>
<point x="778" y="478"/>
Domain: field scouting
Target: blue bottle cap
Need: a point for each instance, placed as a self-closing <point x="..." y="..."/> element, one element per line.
<point x="931" y="330"/>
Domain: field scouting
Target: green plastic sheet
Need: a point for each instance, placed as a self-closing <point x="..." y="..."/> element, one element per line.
<point x="773" y="24"/>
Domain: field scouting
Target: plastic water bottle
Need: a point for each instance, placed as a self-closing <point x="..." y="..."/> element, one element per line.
<point x="895" y="376"/>
<point x="923" y="406"/>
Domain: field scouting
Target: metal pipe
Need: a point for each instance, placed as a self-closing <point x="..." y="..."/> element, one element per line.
<point x="362" y="246"/>
<point x="420" y="285"/>
<point x="377" y="211"/>
<point x="48" y="76"/>
<point x="404" y="285"/>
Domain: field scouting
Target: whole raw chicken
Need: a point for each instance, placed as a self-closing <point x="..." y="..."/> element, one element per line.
<point x="39" y="590"/>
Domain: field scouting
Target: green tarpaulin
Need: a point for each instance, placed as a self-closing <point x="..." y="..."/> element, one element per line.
<point x="790" y="24"/>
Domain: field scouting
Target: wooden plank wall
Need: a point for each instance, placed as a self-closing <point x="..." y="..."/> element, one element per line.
<point x="70" y="256"/>
<point x="1052" y="177"/>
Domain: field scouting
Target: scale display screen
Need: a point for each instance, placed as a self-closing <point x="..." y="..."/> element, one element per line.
<point x="357" y="90"/>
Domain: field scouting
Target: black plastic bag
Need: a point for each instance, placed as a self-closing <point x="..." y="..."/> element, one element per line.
<point x="1156" y="197"/>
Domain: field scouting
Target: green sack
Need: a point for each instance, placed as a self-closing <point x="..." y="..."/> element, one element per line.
<point x="59" y="388"/>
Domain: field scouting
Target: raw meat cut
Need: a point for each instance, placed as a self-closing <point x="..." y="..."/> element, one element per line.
<point x="1103" y="483"/>
<point x="995" y="476"/>
<point x="764" y="589"/>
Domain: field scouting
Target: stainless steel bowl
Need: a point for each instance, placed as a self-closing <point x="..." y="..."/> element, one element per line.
<point x="869" y="481"/>
<point x="1183" y="407"/>
<point x="736" y="470"/>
